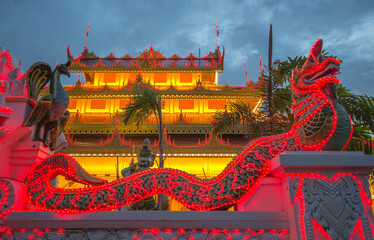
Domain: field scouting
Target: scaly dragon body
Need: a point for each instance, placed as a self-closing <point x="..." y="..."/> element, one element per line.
<point x="321" y="123"/>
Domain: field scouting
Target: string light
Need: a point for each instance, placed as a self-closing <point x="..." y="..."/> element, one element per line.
<point x="5" y="110"/>
<point x="8" y="60"/>
<point x="19" y="99"/>
<point x="191" y="191"/>
<point x="36" y="233"/>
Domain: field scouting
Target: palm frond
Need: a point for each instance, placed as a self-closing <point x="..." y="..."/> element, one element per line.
<point x="361" y="140"/>
<point x="144" y="104"/>
<point x="359" y="107"/>
<point x="235" y="113"/>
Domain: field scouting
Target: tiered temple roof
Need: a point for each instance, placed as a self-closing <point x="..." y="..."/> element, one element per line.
<point x="148" y="60"/>
<point x="191" y="93"/>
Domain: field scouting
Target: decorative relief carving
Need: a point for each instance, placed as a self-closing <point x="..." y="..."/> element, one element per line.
<point x="293" y="186"/>
<point x="149" y="234"/>
<point x="336" y="205"/>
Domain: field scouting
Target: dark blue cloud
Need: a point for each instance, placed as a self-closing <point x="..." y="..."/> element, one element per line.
<point x="41" y="31"/>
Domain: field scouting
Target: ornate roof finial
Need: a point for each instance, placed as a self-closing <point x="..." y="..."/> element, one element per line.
<point x="139" y="78"/>
<point x="181" y="115"/>
<point x="78" y="82"/>
<point x="247" y="80"/>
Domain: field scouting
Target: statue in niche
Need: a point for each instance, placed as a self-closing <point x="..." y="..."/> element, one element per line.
<point x="145" y="162"/>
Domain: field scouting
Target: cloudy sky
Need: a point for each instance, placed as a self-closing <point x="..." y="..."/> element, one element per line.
<point x="41" y="31"/>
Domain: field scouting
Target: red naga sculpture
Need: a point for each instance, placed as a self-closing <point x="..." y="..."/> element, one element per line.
<point x="321" y="123"/>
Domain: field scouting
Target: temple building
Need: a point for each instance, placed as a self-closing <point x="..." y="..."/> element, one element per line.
<point x="277" y="190"/>
<point x="189" y="88"/>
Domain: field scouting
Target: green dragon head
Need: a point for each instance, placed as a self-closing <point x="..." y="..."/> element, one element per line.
<point x="317" y="74"/>
<point x="321" y="122"/>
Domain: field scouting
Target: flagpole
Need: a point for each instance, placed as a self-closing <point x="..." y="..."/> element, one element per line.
<point x="217" y="33"/>
<point x="88" y="28"/>
<point x="247" y="80"/>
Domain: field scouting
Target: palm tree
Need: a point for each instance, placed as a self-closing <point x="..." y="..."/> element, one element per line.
<point x="361" y="110"/>
<point x="359" y="107"/>
<point x="236" y="113"/>
<point x="361" y="140"/>
<point x="145" y="103"/>
<point x="277" y="98"/>
<point x="275" y="81"/>
<point x="280" y="118"/>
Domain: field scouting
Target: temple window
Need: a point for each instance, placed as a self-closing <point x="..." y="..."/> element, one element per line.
<point x="110" y="78"/>
<point x="72" y="104"/>
<point x="132" y="76"/>
<point x="98" y="104"/>
<point x="186" y="104"/>
<point x="123" y="103"/>
<point x="161" y="77"/>
<point x="185" y="78"/>
<point x="216" y="104"/>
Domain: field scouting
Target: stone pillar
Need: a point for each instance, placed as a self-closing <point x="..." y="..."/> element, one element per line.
<point x="18" y="150"/>
<point x="326" y="194"/>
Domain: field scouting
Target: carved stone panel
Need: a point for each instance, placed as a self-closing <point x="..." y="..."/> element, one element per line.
<point x="334" y="204"/>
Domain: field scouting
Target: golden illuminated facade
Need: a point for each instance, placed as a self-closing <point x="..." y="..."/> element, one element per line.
<point x="188" y="86"/>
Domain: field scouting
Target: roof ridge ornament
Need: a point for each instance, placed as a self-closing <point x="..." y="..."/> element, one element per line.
<point x="88" y="54"/>
<point x="78" y="82"/>
<point x="111" y="55"/>
<point x="147" y="59"/>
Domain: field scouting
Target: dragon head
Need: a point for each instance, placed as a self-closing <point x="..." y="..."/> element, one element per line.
<point x="317" y="74"/>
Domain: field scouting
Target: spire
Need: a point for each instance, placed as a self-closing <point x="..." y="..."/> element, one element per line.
<point x="181" y="116"/>
<point x="88" y="28"/>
